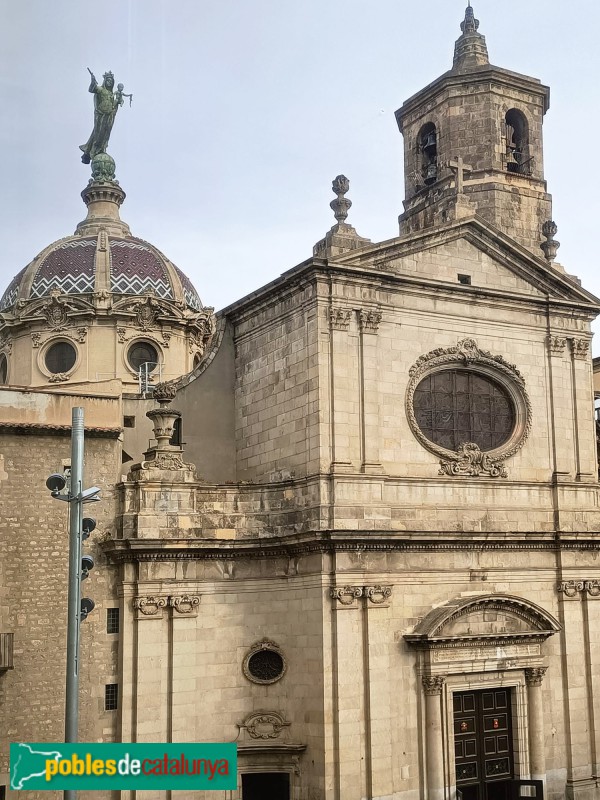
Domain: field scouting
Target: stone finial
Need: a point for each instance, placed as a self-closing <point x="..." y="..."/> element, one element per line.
<point x="164" y="393"/>
<point x="550" y="246"/>
<point x="470" y="49"/>
<point x="342" y="237"/>
<point x="470" y="24"/>
<point x="341" y="205"/>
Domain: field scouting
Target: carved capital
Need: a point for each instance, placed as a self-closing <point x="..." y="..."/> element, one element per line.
<point x="339" y="318"/>
<point x="570" y="589"/>
<point x="433" y="684"/>
<point x="150" y="606"/>
<point x="581" y="348"/>
<point x="369" y="320"/>
<point x="535" y="675"/>
<point x="592" y="588"/>
<point x="556" y="345"/>
<point x="185" y="603"/>
<point x="377" y="594"/>
<point x="346" y="595"/>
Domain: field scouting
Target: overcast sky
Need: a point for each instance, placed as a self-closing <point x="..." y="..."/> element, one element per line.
<point x="245" y="110"/>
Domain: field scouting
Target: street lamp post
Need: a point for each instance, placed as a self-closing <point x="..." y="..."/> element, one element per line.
<point x="77" y="609"/>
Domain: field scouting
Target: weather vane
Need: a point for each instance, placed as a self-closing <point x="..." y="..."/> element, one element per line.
<point x="106" y="104"/>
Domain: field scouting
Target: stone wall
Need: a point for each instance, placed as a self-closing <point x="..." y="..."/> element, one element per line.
<point x="34" y="570"/>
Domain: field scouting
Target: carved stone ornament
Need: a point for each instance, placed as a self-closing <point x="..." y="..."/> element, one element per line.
<point x="184" y="604"/>
<point x="264" y="725"/>
<point x="468" y="460"/>
<point x="167" y="461"/>
<point x="6" y="343"/>
<point x="369" y="320"/>
<point x="346" y="595"/>
<point x="36" y="339"/>
<point x="535" y="675"/>
<point x="556" y="345"/>
<point x="581" y="349"/>
<point x="433" y="684"/>
<point x="55" y="312"/>
<point x="203" y="328"/>
<point x="121" y="335"/>
<point x="59" y="377"/>
<point x="146" y="314"/>
<point x="377" y="594"/>
<point x="471" y="461"/>
<point x="164" y="393"/>
<point x="150" y="606"/>
<point x="340" y="318"/>
<point x="81" y="334"/>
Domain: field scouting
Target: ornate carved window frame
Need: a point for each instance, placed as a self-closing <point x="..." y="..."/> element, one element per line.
<point x="468" y="458"/>
<point x="258" y="647"/>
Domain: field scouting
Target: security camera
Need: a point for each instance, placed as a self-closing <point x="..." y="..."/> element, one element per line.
<point x="87" y="564"/>
<point x="56" y="483"/>
<point x="87" y="606"/>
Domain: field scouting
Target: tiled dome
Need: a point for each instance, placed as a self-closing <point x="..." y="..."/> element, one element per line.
<point x="72" y="265"/>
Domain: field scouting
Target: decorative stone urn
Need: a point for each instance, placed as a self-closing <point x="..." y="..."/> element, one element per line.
<point x="163" y="417"/>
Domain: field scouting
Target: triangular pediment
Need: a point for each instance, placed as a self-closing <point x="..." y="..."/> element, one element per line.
<point x="473" y="248"/>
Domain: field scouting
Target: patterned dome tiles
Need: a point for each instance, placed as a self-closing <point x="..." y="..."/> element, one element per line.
<point x="9" y="297"/>
<point x="135" y="269"/>
<point x="190" y="295"/>
<point x="68" y="268"/>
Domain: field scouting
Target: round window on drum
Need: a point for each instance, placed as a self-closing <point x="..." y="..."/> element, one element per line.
<point x="143" y="353"/>
<point x="60" y="358"/>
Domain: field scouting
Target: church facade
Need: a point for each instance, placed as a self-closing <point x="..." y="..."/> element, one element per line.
<point x="362" y="542"/>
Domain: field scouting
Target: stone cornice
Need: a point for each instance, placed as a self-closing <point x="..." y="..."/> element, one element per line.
<point x="132" y="550"/>
<point x="464" y="81"/>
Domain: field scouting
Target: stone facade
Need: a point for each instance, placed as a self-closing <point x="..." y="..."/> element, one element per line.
<point x="322" y="573"/>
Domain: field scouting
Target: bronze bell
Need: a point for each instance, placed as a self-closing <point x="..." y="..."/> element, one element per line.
<point x="431" y="174"/>
<point x="429" y="141"/>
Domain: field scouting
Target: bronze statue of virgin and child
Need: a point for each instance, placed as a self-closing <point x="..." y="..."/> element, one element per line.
<point x="107" y="102"/>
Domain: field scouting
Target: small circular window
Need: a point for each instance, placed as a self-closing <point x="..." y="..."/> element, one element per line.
<point x="3" y="370"/>
<point x="143" y="353"/>
<point x="264" y="663"/>
<point x="60" y="357"/>
<point x="455" y="406"/>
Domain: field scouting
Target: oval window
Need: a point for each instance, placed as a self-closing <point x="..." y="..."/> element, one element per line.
<point x="453" y="406"/>
<point x="143" y="353"/>
<point x="60" y="357"/>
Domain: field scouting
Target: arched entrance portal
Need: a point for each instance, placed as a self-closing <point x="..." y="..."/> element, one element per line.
<point x="481" y="663"/>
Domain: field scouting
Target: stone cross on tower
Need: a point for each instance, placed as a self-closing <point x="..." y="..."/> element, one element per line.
<point x="459" y="168"/>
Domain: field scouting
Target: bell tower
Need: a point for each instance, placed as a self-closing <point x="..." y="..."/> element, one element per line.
<point x="473" y="145"/>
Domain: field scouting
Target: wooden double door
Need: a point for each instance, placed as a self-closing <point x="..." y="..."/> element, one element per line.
<point x="483" y="744"/>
